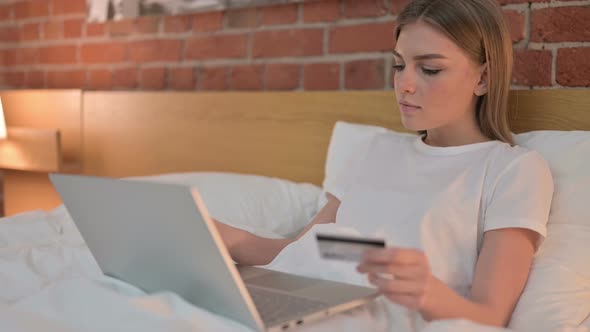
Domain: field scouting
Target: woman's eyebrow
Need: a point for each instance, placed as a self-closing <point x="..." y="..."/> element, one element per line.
<point x="422" y="56"/>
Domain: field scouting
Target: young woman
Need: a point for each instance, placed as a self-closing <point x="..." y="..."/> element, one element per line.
<point x="464" y="208"/>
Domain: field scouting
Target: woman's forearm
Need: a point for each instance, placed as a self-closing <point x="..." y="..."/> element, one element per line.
<point x="445" y="303"/>
<point x="248" y="249"/>
<point x="257" y="250"/>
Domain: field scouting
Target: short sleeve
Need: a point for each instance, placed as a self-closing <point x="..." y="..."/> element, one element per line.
<point x="521" y="196"/>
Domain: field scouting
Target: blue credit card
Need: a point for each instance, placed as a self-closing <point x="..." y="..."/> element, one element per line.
<point x="346" y="248"/>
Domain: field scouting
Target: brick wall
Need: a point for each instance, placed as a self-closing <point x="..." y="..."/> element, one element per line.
<point x="316" y="45"/>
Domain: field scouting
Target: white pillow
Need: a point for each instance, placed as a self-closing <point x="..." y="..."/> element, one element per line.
<point x="269" y="207"/>
<point x="557" y="294"/>
<point x="347" y="140"/>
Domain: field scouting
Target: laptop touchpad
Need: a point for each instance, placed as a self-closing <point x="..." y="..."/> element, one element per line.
<point x="281" y="281"/>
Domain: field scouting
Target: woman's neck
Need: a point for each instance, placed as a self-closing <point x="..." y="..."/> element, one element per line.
<point x="444" y="137"/>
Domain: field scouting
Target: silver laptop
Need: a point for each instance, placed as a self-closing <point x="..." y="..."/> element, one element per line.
<point x="160" y="237"/>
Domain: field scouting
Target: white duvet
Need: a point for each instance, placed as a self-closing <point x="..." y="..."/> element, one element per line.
<point x="50" y="282"/>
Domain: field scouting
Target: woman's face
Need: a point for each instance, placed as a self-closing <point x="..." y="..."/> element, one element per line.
<point x="435" y="81"/>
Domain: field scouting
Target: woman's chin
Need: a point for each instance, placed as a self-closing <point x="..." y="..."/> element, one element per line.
<point x="411" y="125"/>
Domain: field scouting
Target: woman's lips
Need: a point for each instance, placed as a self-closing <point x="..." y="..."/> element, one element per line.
<point x="405" y="108"/>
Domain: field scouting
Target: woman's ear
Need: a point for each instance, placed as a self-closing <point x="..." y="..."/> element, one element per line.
<point x="482" y="86"/>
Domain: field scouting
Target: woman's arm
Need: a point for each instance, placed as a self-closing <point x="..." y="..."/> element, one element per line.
<point x="249" y="249"/>
<point x="500" y="276"/>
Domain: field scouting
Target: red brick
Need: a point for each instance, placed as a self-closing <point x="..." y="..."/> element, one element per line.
<point x="20" y="56"/>
<point x="31" y="9"/>
<point x="147" y="25"/>
<point x="155" y="50"/>
<point x="177" y="24"/>
<point x="53" y="30"/>
<point x="62" y="7"/>
<point x="9" y="57"/>
<point x="213" y="47"/>
<point x="506" y="2"/>
<point x="100" y="79"/>
<point x="73" y="28"/>
<point x="142" y="25"/>
<point x="363" y="8"/>
<point x="365" y="74"/>
<point x="153" y="78"/>
<point x="6" y="12"/>
<point x="283" y="76"/>
<point x="30" y="32"/>
<point x="182" y="79"/>
<point x="247" y="77"/>
<point x="375" y="37"/>
<point x="121" y="28"/>
<point x="54" y="55"/>
<point x="27" y="56"/>
<point x="95" y="29"/>
<point x="516" y="24"/>
<point x="279" y="43"/>
<point x="321" y="76"/>
<point x="213" y="78"/>
<point x="110" y="52"/>
<point x="532" y="68"/>
<point x="70" y="79"/>
<point x="279" y="14"/>
<point x="35" y="79"/>
<point x="321" y="11"/>
<point x="207" y="22"/>
<point x="397" y="6"/>
<point x="14" y="79"/>
<point x="125" y="78"/>
<point x="573" y="67"/>
<point x="8" y="34"/>
<point x="243" y="18"/>
<point x="560" y="24"/>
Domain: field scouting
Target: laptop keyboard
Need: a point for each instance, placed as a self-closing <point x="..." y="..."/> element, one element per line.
<point x="277" y="307"/>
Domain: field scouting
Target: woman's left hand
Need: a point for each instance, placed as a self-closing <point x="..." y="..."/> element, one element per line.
<point x="401" y="275"/>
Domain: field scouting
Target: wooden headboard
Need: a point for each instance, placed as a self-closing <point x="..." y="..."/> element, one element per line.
<point x="274" y="134"/>
<point x="267" y="133"/>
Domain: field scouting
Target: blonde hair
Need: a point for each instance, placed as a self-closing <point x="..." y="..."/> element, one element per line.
<point x="480" y="29"/>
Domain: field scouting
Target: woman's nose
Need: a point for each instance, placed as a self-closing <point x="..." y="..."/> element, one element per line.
<point x="405" y="82"/>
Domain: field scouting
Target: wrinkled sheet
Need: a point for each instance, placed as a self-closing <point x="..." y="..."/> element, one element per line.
<point x="49" y="281"/>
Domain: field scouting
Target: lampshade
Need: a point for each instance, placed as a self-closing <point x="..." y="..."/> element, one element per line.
<point x="2" y="122"/>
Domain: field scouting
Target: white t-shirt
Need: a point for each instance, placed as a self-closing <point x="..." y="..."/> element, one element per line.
<point x="434" y="198"/>
<point x="431" y="198"/>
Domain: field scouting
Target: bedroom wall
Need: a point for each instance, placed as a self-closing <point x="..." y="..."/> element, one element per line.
<point x="315" y="45"/>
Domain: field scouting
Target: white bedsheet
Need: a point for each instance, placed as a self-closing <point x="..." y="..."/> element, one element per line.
<point x="50" y="282"/>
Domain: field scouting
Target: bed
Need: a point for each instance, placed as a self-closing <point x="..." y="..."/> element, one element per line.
<point x="271" y="145"/>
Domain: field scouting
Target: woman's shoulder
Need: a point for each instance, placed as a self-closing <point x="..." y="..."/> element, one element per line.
<point x="513" y="153"/>
<point x="505" y="157"/>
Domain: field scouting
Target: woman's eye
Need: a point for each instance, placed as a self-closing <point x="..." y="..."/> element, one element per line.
<point x="430" y="72"/>
<point x="398" y="67"/>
